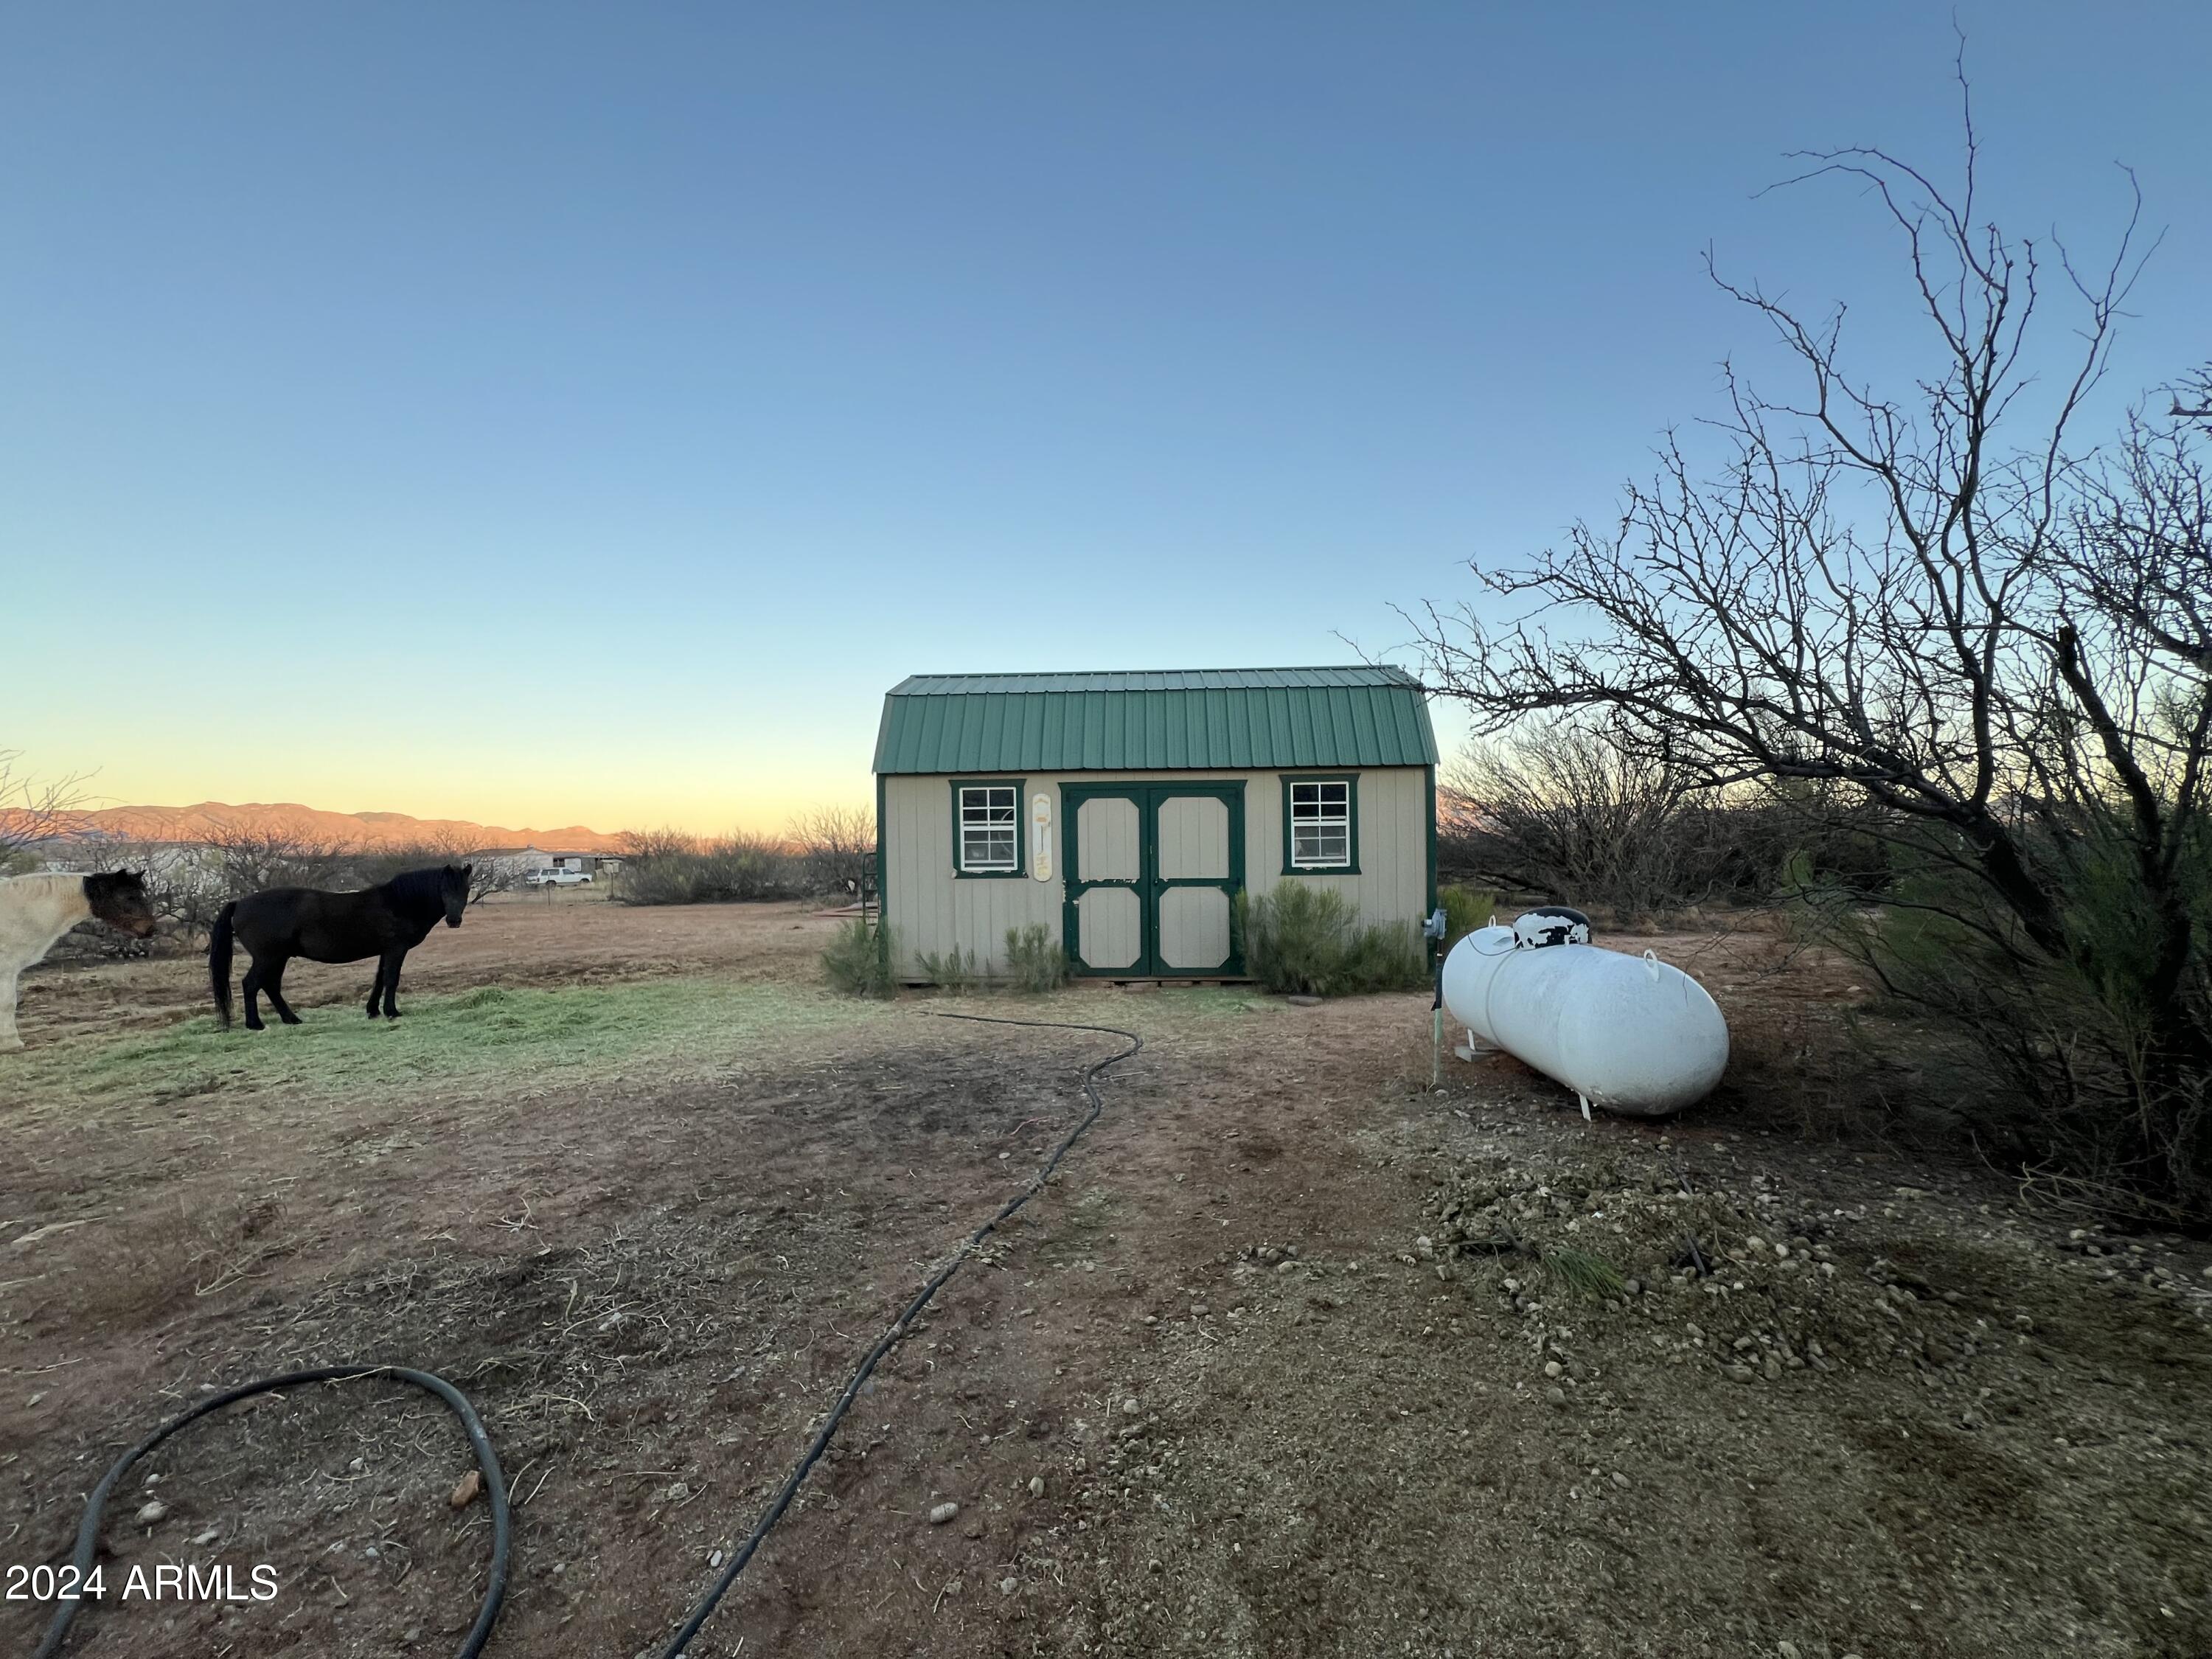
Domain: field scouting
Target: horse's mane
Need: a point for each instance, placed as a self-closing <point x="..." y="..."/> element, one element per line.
<point x="419" y="884"/>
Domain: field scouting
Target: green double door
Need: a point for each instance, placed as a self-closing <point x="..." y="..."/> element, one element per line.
<point x="1153" y="872"/>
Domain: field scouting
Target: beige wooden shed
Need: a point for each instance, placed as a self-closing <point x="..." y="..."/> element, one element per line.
<point x="1124" y="811"/>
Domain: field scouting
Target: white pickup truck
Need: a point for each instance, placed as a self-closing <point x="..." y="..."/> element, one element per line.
<point x="559" y="879"/>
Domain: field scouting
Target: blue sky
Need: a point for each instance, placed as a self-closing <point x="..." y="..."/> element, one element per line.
<point x="549" y="413"/>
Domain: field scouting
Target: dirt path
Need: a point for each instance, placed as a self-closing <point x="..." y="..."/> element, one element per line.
<point x="1948" y="1429"/>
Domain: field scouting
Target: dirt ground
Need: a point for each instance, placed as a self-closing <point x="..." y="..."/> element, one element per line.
<point x="1295" y="1356"/>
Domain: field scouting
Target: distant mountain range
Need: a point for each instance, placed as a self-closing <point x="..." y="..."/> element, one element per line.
<point x="211" y="819"/>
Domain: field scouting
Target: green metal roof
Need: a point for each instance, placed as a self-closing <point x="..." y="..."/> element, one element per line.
<point x="1201" y="719"/>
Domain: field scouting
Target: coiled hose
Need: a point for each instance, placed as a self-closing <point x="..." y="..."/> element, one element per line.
<point x="87" y="1531"/>
<point x="87" y="1534"/>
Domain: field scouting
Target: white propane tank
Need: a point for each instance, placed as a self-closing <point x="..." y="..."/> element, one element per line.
<point x="1627" y="1033"/>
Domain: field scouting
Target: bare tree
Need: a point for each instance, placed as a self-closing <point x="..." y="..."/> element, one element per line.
<point x="2132" y="649"/>
<point x="250" y="856"/>
<point x="1862" y="595"/>
<point x="487" y="874"/>
<point x="837" y="848"/>
<point x="185" y="882"/>
<point x="2137" y="544"/>
<point x="666" y="842"/>
<point x="2192" y="399"/>
<point x="1941" y="613"/>
<point x="1554" y="808"/>
<point x="671" y="866"/>
<point x="34" y="809"/>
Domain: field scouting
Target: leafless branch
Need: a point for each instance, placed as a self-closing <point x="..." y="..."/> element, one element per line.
<point x="35" y="809"/>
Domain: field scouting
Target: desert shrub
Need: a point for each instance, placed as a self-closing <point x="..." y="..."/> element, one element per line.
<point x="1554" y="808"/>
<point x="1291" y="936"/>
<point x="1465" y="908"/>
<point x="1034" y="960"/>
<point x="857" y="960"/>
<point x="1387" y="957"/>
<point x="2065" y="1067"/>
<point x="1307" y="940"/>
<point x="663" y="866"/>
<point x="954" y="970"/>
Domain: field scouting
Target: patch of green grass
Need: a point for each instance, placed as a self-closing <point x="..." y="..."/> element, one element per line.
<point x="1591" y="1277"/>
<point x="1209" y="1002"/>
<point x="486" y="1033"/>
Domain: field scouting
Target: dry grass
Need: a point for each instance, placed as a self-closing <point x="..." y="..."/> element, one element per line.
<point x="132" y="1270"/>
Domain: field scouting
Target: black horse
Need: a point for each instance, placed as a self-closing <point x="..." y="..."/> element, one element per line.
<point x="280" y="923"/>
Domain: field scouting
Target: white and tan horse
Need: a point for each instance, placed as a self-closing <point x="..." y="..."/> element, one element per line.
<point x="36" y="910"/>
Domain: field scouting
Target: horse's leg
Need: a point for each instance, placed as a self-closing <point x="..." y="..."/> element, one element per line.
<point x="254" y="995"/>
<point x="376" y="989"/>
<point x="9" y="1039"/>
<point x="272" y="980"/>
<point x="392" y="958"/>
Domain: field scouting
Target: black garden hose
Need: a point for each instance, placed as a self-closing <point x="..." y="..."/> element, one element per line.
<point x="88" y="1535"/>
<point x="789" y="1489"/>
<point x="88" y="1532"/>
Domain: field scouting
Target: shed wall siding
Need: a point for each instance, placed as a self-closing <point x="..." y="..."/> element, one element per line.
<point x="930" y="910"/>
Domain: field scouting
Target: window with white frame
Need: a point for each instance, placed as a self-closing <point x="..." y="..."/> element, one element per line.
<point x="990" y="837"/>
<point x="1321" y="823"/>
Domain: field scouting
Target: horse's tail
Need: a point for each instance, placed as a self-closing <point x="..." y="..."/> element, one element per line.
<point x="219" y="960"/>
